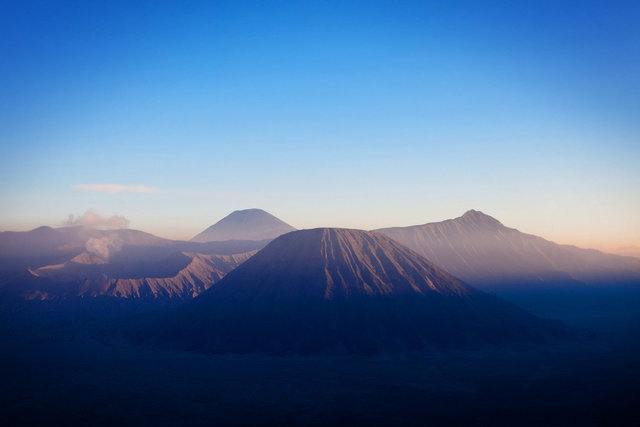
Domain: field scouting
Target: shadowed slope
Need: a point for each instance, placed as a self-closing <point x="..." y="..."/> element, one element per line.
<point x="344" y="291"/>
<point x="248" y="224"/>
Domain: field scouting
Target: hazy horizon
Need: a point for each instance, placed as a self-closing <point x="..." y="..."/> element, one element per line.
<point x="358" y="115"/>
<point x="92" y="219"/>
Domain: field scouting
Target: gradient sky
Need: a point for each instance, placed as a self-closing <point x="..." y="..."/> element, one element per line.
<point x="355" y="114"/>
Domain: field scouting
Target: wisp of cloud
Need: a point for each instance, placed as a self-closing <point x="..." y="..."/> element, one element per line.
<point x="117" y="188"/>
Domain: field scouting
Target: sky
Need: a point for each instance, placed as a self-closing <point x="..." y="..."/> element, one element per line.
<point x="169" y="115"/>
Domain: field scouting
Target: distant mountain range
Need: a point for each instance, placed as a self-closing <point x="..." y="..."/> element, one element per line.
<point x="48" y="263"/>
<point x="79" y="261"/>
<point x="46" y="245"/>
<point x="248" y="224"/>
<point x="182" y="275"/>
<point x="480" y="250"/>
<point x="341" y="290"/>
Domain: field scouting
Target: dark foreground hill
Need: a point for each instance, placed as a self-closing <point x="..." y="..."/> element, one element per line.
<point x="247" y="224"/>
<point x="338" y="290"/>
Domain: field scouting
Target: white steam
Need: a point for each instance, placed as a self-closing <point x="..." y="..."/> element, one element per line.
<point x="104" y="247"/>
<point x="94" y="220"/>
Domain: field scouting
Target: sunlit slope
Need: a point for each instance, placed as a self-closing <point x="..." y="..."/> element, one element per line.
<point x="482" y="251"/>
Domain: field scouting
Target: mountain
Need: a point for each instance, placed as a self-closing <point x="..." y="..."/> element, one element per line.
<point x="482" y="251"/>
<point x="48" y="263"/>
<point x="248" y="224"/>
<point x="46" y="245"/>
<point x="46" y="239"/>
<point x="341" y="290"/>
<point x="181" y="275"/>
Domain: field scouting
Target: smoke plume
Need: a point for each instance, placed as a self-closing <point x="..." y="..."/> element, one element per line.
<point x="94" y="220"/>
<point x="104" y="246"/>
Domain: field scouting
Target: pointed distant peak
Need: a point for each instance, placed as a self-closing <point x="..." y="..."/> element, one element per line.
<point x="245" y="224"/>
<point x="250" y="211"/>
<point x="253" y="214"/>
<point x="480" y="218"/>
<point x="472" y="213"/>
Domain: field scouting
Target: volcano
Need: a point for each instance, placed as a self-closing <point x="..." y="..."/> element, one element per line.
<point x="248" y="224"/>
<point x="482" y="251"/>
<point x="340" y="290"/>
<point x="81" y="262"/>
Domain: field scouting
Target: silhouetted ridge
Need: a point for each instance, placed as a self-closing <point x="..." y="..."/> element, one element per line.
<point x="342" y="290"/>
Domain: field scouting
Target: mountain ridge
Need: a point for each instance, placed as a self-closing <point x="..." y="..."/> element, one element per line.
<point x="481" y="250"/>
<point x="67" y="280"/>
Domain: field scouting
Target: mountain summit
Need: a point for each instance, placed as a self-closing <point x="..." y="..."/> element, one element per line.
<point x="476" y="218"/>
<point x="339" y="290"/>
<point x="247" y="224"/>
<point x="334" y="263"/>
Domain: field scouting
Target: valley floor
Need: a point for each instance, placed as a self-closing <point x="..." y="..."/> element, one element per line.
<point x="62" y="374"/>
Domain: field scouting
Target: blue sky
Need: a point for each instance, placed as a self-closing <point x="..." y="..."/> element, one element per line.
<point x="356" y="114"/>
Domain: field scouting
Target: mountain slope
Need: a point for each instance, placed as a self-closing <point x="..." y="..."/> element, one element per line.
<point x="482" y="251"/>
<point x="192" y="274"/>
<point x="331" y="264"/>
<point x="248" y="224"/>
<point x="341" y="290"/>
<point x="46" y="239"/>
<point x="48" y="246"/>
<point x="72" y="262"/>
